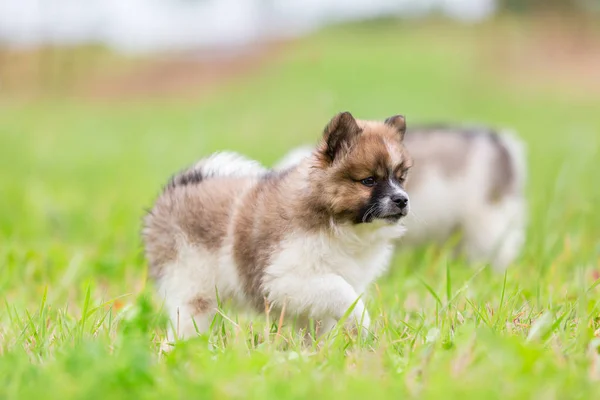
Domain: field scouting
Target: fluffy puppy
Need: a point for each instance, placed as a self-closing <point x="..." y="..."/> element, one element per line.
<point x="467" y="179"/>
<point x="311" y="237"/>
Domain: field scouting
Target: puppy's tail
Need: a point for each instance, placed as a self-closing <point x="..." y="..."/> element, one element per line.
<point x="222" y="164"/>
<point x="293" y="157"/>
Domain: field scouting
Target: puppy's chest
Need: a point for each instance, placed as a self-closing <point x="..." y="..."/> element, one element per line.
<point x="358" y="259"/>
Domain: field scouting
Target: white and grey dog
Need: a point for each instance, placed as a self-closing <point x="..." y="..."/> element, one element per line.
<point x="467" y="179"/>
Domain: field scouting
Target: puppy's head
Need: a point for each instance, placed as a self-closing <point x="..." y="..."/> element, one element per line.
<point x="361" y="169"/>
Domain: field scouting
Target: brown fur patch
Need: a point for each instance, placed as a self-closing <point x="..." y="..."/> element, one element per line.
<point x="197" y="213"/>
<point x="159" y="241"/>
<point x="503" y="176"/>
<point x="200" y="305"/>
<point x="259" y="227"/>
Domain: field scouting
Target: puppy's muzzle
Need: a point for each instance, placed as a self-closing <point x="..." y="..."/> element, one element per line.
<point x="398" y="205"/>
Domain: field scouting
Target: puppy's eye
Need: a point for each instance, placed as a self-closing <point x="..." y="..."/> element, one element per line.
<point x="370" y="181"/>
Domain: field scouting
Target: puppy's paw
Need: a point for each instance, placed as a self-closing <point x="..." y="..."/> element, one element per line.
<point x="359" y="324"/>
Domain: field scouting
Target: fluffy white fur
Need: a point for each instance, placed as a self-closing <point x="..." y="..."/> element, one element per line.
<point x="228" y="163"/>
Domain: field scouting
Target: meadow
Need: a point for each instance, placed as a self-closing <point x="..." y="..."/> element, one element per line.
<point x="78" y="318"/>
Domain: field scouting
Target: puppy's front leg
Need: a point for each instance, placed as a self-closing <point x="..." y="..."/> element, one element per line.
<point x="322" y="296"/>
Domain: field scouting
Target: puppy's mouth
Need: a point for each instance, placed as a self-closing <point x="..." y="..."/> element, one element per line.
<point x="393" y="218"/>
<point x="382" y="212"/>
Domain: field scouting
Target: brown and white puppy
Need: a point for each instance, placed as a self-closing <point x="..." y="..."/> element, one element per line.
<point x="468" y="179"/>
<point x="312" y="237"/>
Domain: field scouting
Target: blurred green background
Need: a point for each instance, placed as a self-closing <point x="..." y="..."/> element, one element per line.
<point x="88" y="136"/>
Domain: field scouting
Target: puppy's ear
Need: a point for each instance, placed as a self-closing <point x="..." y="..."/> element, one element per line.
<point x="339" y="135"/>
<point x="398" y="122"/>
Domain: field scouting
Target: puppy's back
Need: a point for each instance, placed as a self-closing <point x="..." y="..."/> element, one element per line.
<point x="494" y="161"/>
<point x="195" y="206"/>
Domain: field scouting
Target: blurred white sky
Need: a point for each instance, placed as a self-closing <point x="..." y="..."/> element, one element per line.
<point x="154" y="25"/>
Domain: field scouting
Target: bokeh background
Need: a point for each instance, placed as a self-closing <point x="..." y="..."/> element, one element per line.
<point x="102" y="100"/>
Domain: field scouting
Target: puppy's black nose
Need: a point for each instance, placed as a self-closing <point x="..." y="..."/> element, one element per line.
<point x="400" y="200"/>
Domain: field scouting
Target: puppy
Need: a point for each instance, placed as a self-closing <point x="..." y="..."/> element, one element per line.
<point x="310" y="238"/>
<point x="468" y="179"/>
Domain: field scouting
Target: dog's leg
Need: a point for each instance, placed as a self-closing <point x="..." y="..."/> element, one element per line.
<point x="187" y="320"/>
<point x="187" y="288"/>
<point x="496" y="232"/>
<point x="326" y="297"/>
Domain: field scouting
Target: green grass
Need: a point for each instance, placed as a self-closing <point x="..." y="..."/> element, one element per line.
<point x="78" y="320"/>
